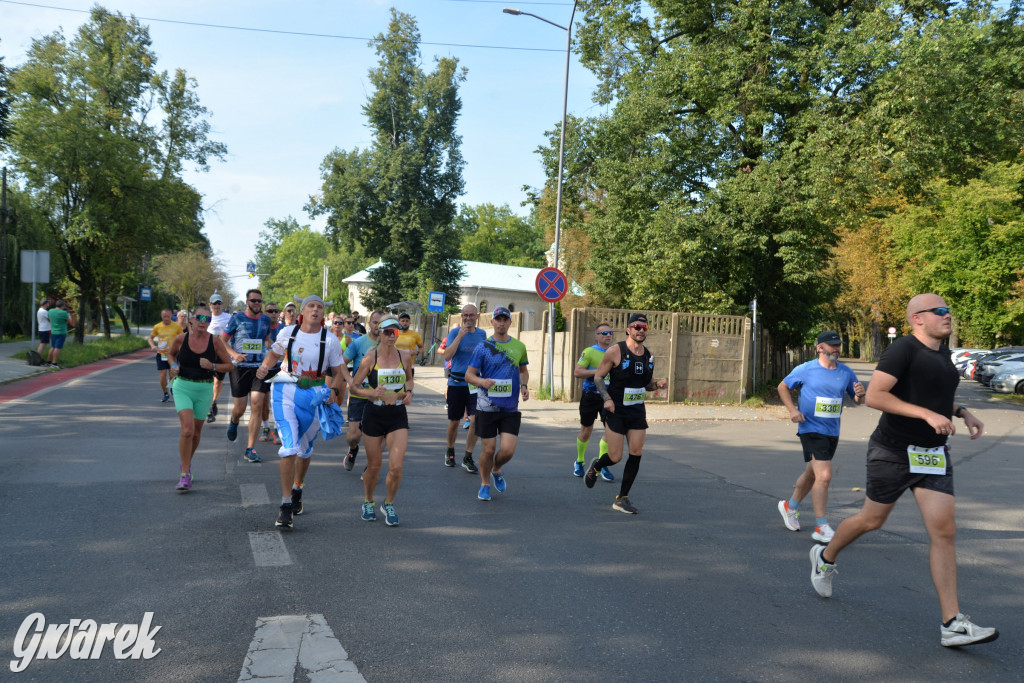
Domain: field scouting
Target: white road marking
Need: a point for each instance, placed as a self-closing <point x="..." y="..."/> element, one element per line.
<point x="304" y="639"/>
<point x="254" y="494"/>
<point x="268" y="549"/>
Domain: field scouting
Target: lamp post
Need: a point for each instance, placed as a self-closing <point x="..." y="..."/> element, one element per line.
<point x="558" y="188"/>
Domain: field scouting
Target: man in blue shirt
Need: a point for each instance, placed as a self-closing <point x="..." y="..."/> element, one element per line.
<point x="247" y="336"/>
<point x="459" y="347"/>
<point x="822" y="383"/>
<point x="354" y="353"/>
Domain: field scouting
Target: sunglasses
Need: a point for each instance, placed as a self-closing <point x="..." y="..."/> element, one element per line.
<point x="337" y="322"/>
<point x="202" y="318"/>
<point x="639" y="326"/>
<point x="941" y="311"/>
<point x="289" y="310"/>
<point x="389" y="332"/>
<point x="273" y="310"/>
<point x="216" y="303"/>
<point x="255" y="301"/>
<point x="606" y="334"/>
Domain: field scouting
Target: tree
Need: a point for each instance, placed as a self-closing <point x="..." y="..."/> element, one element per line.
<point x="492" y="234"/>
<point x="270" y="240"/>
<point x="297" y="268"/>
<point x="191" y="275"/>
<point x="102" y="172"/>
<point x="396" y="199"/>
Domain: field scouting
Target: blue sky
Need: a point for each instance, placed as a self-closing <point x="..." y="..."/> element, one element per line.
<point x="281" y="102"/>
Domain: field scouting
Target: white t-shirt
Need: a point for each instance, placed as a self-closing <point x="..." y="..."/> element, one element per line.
<point x="43" y="320"/>
<point x="306" y="351"/>
<point x="218" y="323"/>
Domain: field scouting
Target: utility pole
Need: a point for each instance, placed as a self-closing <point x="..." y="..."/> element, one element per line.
<point x="3" y="252"/>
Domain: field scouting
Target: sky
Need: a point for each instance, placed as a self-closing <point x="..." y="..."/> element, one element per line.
<point x="283" y="96"/>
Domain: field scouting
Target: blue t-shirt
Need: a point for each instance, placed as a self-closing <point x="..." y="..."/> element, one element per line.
<point x="499" y="361"/>
<point x="248" y="335"/>
<point x="821" y="395"/>
<point x="357" y="349"/>
<point x="460" y="361"/>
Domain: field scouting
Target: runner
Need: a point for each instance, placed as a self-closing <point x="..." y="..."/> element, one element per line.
<point x="308" y="351"/>
<point x="247" y="336"/>
<point x="591" y="401"/>
<point x="498" y="369"/>
<point x="822" y="383"/>
<point x="289" y="315"/>
<point x="461" y="398"/>
<point x="409" y="340"/>
<point x="217" y="327"/>
<point x="388" y="384"/>
<point x="269" y="432"/>
<point x="163" y="335"/>
<point x="630" y="367"/>
<point x="354" y="352"/>
<point x="914" y="385"/>
<point x="194" y="357"/>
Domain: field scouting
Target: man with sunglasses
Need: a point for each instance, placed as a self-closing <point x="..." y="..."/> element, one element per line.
<point x="822" y="383"/>
<point x="461" y="397"/>
<point x="914" y="385"/>
<point x="248" y="337"/>
<point x="218" y="324"/>
<point x="591" y="402"/>
<point x="630" y="370"/>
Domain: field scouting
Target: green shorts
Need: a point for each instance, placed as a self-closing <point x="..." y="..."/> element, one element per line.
<point x="192" y="395"/>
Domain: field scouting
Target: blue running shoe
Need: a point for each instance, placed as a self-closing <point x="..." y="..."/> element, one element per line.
<point x="578" y="469"/>
<point x="368" y="514"/>
<point x="232" y="430"/>
<point x="485" y="493"/>
<point x="499" y="482"/>
<point x="465" y="425"/>
<point x="607" y="475"/>
<point x="250" y="455"/>
<point x="390" y="516"/>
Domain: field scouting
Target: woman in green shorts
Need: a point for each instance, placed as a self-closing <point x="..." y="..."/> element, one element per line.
<point x="194" y="357"/>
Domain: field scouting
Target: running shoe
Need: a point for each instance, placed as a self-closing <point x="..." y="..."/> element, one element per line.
<point x="390" y="516"/>
<point x="823" y="533"/>
<point x="449" y="459"/>
<point x="368" y="514"/>
<point x="963" y="632"/>
<point x="578" y="470"/>
<point x="590" y="478"/>
<point x="499" y="482"/>
<point x="284" y="518"/>
<point x="622" y="504"/>
<point x="822" y="573"/>
<point x="607" y="475"/>
<point x="232" y="430"/>
<point x="185" y="483"/>
<point x="469" y="465"/>
<point x="350" y="459"/>
<point x="296" y="501"/>
<point x="210" y="417"/>
<point x="789" y="518"/>
<point x="166" y="398"/>
<point x="485" y="493"/>
<point x="465" y="425"/>
<point x="276" y="436"/>
<point x="250" y="455"/>
<point x="265" y="434"/>
<point x="213" y="409"/>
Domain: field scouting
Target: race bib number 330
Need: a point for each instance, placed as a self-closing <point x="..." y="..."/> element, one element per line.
<point x="827" y="407"/>
<point x="927" y="460"/>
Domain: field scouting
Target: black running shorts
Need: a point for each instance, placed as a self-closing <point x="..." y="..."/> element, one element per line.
<point x="818" y="446"/>
<point x="888" y="478"/>
<point x="489" y="423"/>
<point x="460" y="402"/>
<point x="591" y="405"/>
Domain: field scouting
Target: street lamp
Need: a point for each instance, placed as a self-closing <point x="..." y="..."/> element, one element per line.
<point x="558" y="189"/>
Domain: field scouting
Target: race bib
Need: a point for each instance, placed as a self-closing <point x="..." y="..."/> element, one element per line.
<point x="473" y="389"/>
<point x="163" y="356"/>
<point x="633" y="396"/>
<point x="927" y="460"/>
<point x="502" y="389"/>
<point x="827" y="407"/>
<point x="252" y="346"/>
<point x="392" y="379"/>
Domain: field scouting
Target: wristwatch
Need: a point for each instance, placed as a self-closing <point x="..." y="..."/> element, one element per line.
<point x="959" y="410"/>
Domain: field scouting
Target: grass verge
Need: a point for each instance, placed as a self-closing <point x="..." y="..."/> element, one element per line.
<point x="74" y="354"/>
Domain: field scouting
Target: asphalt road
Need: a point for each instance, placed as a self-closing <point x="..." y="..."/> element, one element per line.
<point x="545" y="583"/>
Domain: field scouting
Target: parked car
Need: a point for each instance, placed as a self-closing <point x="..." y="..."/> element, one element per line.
<point x="965" y="365"/>
<point x="958" y="354"/>
<point x="994" y="357"/>
<point x="1009" y="381"/>
<point x="992" y="368"/>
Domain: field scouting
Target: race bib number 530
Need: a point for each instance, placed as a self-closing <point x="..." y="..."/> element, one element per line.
<point x="927" y="460"/>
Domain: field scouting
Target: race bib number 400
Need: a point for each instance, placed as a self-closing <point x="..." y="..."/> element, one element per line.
<point x="633" y="396"/>
<point x="252" y="345"/>
<point x="827" y="407"/>
<point x="502" y="389"/>
<point x="927" y="460"/>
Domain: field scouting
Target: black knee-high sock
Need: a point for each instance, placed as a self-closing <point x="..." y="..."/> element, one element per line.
<point x="629" y="474"/>
<point x="603" y="461"/>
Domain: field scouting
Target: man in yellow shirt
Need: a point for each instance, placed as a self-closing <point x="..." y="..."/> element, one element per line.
<point x="164" y="334"/>
<point x="408" y="340"/>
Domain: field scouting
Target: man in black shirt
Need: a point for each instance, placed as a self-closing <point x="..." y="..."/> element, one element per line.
<point x="914" y="386"/>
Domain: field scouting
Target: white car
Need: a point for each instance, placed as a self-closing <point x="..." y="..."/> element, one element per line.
<point x="1009" y="380"/>
<point x="958" y="354"/>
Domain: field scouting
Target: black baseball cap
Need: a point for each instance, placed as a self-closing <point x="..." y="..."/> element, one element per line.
<point x="637" y="317"/>
<point x="405" y="315"/>
<point x="830" y="338"/>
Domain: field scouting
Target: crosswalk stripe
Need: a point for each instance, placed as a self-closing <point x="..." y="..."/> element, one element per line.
<point x="268" y="549"/>
<point x="281" y="642"/>
<point x="254" y="494"/>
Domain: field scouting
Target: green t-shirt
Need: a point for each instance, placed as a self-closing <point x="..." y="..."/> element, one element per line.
<point x="58" y="321"/>
<point x="591" y="359"/>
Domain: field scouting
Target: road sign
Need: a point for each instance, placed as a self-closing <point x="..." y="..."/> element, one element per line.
<point x="250" y="268"/>
<point x="435" y="302"/>
<point x="892" y="330"/>
<point x="35" y="266"/>
<point x="145" y="294"/>
<point x="551" y="284"/>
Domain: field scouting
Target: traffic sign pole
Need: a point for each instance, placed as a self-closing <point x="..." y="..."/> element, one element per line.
<point x="552" y="286"/>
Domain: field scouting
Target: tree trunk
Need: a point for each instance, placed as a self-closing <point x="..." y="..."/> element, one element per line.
<point x="124" y="320"/>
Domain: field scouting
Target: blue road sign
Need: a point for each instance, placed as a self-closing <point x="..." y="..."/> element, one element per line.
<point x="435" y="302"/>
<point x="552" y="284"/>
<point x="145" y="294"/>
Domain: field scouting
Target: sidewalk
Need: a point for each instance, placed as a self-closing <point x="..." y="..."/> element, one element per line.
<point x="13" y="369"/>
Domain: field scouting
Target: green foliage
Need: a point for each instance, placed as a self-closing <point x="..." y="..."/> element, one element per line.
<point x="297" y="268"/>
<point x="396" y="199"/>
<point x="492" y="234"/>
<point x="82" y="353"/>
<point x="5" y="104"/>
<point x="191" y="275"/>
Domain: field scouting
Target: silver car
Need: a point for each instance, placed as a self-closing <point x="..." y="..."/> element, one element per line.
<point x="1009" y="379"/>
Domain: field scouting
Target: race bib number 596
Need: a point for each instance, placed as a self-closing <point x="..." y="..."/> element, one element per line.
<point x="927" y="460"/>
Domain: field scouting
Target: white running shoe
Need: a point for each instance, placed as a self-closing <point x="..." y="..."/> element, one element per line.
<point x="823" y="533"/>
<point x="789" y="518"/>
<point x="963" y="632"/>
<point x="822" y="573"/>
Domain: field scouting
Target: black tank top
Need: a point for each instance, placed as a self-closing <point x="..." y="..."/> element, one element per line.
<point x="188" y="360"/>
<point x="634" y="373"/>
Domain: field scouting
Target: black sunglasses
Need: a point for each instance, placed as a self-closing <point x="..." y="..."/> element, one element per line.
<point x="941" y="311"/>
<point x="273" y="310"/>
<point x="255" y="301"/>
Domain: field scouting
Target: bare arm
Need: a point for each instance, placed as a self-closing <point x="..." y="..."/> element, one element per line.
<point x="172" y="355"/>
<point x="269" y="361"/>
<point x="879" y="395"/>
<point x="524" y="380"/>
<point x="473" y="377"/>
<point x="453" y="346"/>
<point x="611" y="358"/>
<point x="787" y="400"/>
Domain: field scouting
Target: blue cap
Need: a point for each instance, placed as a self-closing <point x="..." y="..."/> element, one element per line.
<point x="501" y="311"/>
